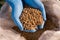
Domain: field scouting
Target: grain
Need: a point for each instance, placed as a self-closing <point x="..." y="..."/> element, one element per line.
<point x="31" y="18"/>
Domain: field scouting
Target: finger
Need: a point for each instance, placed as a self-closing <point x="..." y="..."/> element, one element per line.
<point x="30" y="30"/>
<point x="17" y="8"/>
<point x="41" y="26"/>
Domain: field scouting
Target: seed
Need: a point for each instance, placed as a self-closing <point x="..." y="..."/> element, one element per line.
<point x="31" y="18"/>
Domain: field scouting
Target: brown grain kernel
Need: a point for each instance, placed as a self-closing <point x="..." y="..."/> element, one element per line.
<point x="30" y="18"/>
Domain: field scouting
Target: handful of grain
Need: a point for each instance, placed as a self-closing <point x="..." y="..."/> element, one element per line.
<point x="31" y="18"/>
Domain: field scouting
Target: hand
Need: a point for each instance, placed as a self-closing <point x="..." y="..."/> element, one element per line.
<point x="41" y="26"/>
<point x="17" y="8"/>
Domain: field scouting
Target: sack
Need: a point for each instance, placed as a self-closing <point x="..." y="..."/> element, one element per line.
<point x="6" y="24"/>
<point x="53" y="10"/>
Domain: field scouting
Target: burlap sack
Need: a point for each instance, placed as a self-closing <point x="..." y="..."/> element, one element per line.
<point x="6" y="24"/>
<point x="53" y="10"/>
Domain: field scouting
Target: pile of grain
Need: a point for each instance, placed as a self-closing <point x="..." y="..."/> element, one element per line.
<point x="30" y="18"/>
